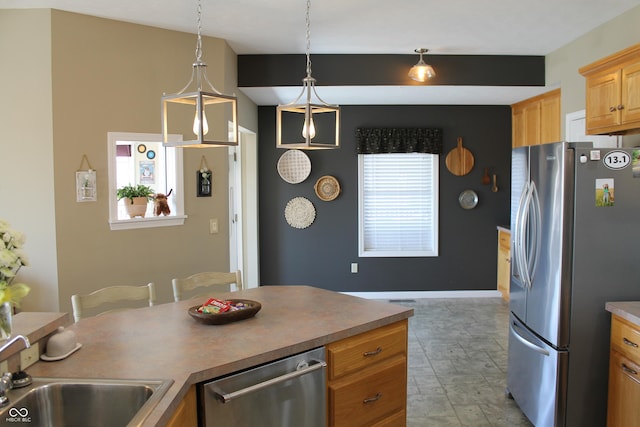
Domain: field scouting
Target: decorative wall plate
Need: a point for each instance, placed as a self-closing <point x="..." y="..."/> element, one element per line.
<point x="327" y="188"/>
<point x="294" y="166"/>
<point x="300" y="212"/>
<point x="468" y="199"/>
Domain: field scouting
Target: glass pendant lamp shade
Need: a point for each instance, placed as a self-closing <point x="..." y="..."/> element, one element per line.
<point x="203" y="115"/>
<point x="421" y="72"/>
<point x="308" y="122"/>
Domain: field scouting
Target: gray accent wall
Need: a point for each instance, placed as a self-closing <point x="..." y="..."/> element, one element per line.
<point x="321" y="255"/>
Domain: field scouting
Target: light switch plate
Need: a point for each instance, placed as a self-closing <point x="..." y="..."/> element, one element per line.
<point x="213" y="225"/>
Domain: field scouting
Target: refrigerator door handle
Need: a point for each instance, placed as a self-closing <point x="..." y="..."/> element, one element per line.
<point x="518" y="240"/>
<point x="525" y="341"/>
<point x="525" y="240"/>
<point x="536" y="233"/>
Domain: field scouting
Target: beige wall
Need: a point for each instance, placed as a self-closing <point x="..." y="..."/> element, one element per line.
<point x="562" y="65"/>
<point x="26" y="147"/>
<point x="100" y="76"/>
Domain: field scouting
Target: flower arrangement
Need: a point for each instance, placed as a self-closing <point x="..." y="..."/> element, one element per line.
<point x="206" y="175"/>
<point x="12" y="258"/>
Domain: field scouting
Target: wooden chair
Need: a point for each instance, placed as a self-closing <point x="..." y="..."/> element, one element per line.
<point x="215" y="280"/>
<point x="112" y="294"/>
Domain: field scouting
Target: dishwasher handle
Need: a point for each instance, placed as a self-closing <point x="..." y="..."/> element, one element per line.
<point x="313" y="365"/>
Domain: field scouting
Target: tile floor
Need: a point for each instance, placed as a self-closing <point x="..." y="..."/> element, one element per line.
<point x="458" y="364"/>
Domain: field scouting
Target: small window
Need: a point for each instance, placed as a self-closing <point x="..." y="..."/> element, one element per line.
<point x="141" y="158"/>
<point x="398" y="205"/>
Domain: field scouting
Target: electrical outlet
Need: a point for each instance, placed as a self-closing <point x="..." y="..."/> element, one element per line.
<point x="29" y="356"/>
<point x="354" y="267"/>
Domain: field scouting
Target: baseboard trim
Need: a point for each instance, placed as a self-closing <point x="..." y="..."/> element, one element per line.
<point x="403" y="295"/>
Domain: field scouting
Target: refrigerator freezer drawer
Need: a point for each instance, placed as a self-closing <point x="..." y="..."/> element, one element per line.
<point x="536" y="376"/>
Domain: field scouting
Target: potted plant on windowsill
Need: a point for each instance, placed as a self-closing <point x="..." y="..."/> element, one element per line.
<point x="137" y="197"/>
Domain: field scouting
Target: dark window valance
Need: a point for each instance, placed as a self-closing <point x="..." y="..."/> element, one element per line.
<point x="399" y="140"/>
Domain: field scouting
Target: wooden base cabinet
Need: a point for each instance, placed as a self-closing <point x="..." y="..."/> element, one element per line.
<point x="624" y="374"/>
<point x="367" y="378"/>
<point x="186" y="414"/>
<point x="504" y="263"/>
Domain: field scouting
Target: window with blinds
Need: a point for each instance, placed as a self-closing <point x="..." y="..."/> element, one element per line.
<point x="398" y="205"/>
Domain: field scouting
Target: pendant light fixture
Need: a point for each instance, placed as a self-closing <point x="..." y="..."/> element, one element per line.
<point x="200" y="109"/>
<point x="421" y="72"/>
<point x="308" y="122"/>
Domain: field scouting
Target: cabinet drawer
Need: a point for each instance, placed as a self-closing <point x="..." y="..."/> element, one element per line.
<point x="625" y="338"/>
<point x="399" y="419"/>
<point x="356" y="353"/>
<point x="504" y="240"/>
<point x="373" y="396"/>
<point x="624" y="392"/>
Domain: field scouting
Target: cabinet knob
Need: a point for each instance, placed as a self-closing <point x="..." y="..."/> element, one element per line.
<point x="629" y="343"/>
<point x="612" y="109"/>
<point x="620" y="107"/>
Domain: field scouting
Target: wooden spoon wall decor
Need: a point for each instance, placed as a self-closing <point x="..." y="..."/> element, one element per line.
<point x="459" y="161"/>
<point x="485" y="178"/>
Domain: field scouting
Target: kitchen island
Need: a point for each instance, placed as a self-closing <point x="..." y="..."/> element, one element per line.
<point x="164" y="342"/>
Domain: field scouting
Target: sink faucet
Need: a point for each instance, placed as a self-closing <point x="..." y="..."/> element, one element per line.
<point x="6" y="380"/>
<point x="8" y="344"/>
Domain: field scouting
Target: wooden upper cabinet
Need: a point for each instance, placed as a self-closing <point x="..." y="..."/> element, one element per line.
<point x="536" y="120"/>
<point x="631" y="93"/>
<point x="613" y="93"/>
<point x="550" y="118"/>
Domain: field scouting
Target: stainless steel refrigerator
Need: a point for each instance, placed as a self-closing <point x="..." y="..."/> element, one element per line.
<point x="575" y="229"/>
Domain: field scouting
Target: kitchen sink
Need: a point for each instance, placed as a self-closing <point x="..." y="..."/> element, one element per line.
<point x="69" y="402"/>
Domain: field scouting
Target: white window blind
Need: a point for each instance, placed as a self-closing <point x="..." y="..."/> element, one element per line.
<point x="398" y="204"/>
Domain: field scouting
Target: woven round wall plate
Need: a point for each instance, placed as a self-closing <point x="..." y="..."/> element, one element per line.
<point x="327" y="188"/>
<point x="294" y="166"/>
<point x="299" y="212"/>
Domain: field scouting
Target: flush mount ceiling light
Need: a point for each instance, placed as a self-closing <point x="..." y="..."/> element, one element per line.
<point x="313" y="119"/>
<point x="421" y="72"/>
<point x="193" y="108"/>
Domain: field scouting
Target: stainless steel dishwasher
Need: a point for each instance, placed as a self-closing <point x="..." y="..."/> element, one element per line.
<point x="289" y="392"/>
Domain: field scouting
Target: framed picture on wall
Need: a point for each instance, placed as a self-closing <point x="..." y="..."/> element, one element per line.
<point x="86" y="186"/>
<point x="203" y="182"/>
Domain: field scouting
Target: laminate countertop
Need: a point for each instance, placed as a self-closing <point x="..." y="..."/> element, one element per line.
<point x="629" y="310"/>
<point x="164" y="342"/>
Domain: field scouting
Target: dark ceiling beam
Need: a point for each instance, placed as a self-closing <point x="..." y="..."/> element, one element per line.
<point x="391" y="70"/>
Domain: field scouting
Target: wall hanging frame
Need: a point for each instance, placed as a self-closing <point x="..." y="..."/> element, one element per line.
<point x="204" y="176"/>
<point x="86" y="182"/>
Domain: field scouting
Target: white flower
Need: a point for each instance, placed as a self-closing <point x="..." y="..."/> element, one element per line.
<point x="12" y="258"/>
<point x="8" y="258"/>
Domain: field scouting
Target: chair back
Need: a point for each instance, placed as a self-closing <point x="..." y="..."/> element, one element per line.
<point x="111" y="296"/>
<point x="212" y="280"/>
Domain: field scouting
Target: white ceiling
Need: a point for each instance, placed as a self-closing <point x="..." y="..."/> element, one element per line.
<point x="472" y="27"/>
